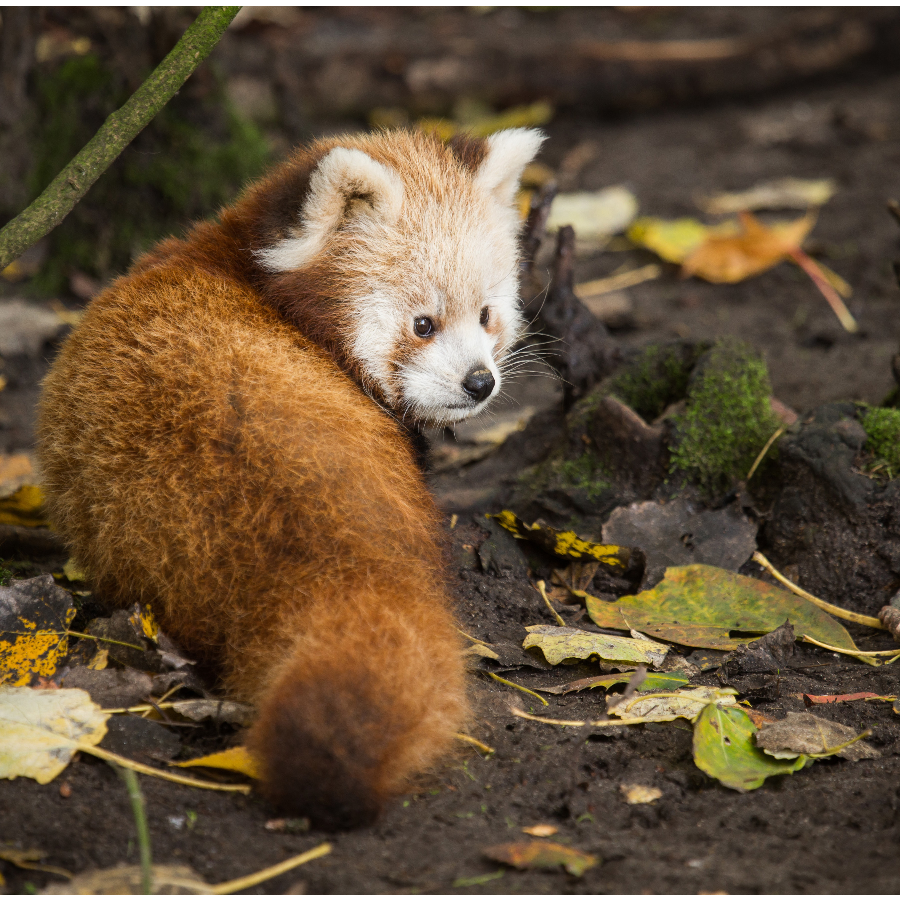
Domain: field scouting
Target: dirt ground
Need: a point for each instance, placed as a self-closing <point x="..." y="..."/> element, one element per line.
<point x="832" y="828"/>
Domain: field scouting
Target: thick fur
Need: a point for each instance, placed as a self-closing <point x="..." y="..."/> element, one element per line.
<point x="222" y="438"/>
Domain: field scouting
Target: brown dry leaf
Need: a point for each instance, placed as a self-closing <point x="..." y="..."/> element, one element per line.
<point x="804" y="733"/>
<point x="732" y="258"/>
<point x="542" y="855"/>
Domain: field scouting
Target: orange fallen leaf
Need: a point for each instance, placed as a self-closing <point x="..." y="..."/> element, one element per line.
<point x="732" y="258"/>
<point x="811" y="699"/>
<point x="542" y="855"/>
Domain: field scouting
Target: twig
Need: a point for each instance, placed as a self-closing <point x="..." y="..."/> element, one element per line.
<point x="559" y="619"/>
<point x="836" y="611"/>
<point x="475" y="743"/>
<point x="74" y="181"/>
<point x="518" y="687"/>
<point x="158" y="773"/>
<point x="765" y="450"/>
<point x="600" y="286"/>
<point x="140" y="821"/>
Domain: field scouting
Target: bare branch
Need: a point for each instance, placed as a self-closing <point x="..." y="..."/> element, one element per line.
<point x="57" y="201"/>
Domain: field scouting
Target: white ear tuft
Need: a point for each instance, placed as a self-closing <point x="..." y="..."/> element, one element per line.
<point x="346" y="183"/>
<point x="508" y="153"/>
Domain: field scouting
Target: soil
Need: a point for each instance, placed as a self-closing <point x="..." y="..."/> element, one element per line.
<point x="831" y="828"/>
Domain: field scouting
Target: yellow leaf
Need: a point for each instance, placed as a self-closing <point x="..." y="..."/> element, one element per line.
<point x="72" y="571"/>
<point x="634" y="794"/>
<point x="236" y="759"/>
<point x="732" y="258"/>
<point x="594" y="215"/>
<point x="100" y="659"/>
<point x="558" y="644"/>
<point x="564" y="543"/>
<point x="673" y="240"/>
<point x="144" y="622"/>
<point x="40" y="730"/>
<point x="786" y="193"/>
<point x="24" y="507"/>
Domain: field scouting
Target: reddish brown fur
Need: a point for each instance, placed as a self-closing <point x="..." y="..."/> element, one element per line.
<point x="204" y="451"/>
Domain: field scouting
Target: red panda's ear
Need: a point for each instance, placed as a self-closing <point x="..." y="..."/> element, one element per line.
<point x="346" y="185"/>
<point x="508" y="153"/>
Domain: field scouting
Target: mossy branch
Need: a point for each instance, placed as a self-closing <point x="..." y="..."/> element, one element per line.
<point x="116" y="133"/>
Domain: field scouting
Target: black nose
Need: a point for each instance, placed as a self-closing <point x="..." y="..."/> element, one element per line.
<point x="479" y="384"/>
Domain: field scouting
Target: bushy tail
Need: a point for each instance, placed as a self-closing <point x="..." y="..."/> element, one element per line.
<point x="351" y="717"/>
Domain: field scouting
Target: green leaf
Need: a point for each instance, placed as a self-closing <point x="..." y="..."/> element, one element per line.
<point x="724" y="748"/>
<point x="700" y="606"/>
<point x="559" y="644"/>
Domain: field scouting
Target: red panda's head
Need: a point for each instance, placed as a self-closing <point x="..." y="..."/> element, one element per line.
<point x="402" y="258"/>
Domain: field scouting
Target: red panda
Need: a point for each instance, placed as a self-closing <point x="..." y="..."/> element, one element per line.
<point x="229" y="436"/>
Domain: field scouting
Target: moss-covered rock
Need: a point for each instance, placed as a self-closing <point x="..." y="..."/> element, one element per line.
<point x="727" y="418"/>
<point x="882" y="428"/>
<point x="656" y="377"/>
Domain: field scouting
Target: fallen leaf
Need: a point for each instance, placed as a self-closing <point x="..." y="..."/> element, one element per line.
<point x="542" y="855"/>
<point x="756" y="249"/>
<point x="804" y="733"/>
<point x="235" y="759"/>
<point x="176" y="879"/>
<point x="560" y="643"/>
<point x="230" y="711"/>
<point x="813" y="699"/>
<point x="785" y="193"/>
<point x="674" y="240"/>
<point x="540" y="830"/>
<point x="34" y="619"/>
<point x="144" y="622"/>
<point x="564" y="543"/>
<point x="653" y="681"/>
<point x="479" y="121"/>
<point x="725" y="750"/>
<point x="635" y="794"/>
<point x="594" y="215"/>
<point x="679" y="533"/>
<point x="73" y="572"/>
<point x="768" y="654"/>
<point x="24" y="507"/>
<point x="700" y="606"/>
<point x="40" y="731"/>
<point x="664" y="706"/>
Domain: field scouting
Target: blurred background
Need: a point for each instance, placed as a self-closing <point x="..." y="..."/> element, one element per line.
<point x="669" y="106"/>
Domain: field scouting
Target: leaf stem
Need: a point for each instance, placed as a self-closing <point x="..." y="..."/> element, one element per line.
<point x="518" y="687"/>
<point x="559" y="619"/>
<point x="249" y="881"/>
<point x="836" y="611"/>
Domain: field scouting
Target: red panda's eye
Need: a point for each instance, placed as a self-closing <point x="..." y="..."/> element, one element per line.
<point x="485" y="316"/>
<point x="423" y="326"/>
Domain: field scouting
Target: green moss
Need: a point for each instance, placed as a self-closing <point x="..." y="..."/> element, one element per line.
<point x="657" y="377"/>
<point x="586" y="473"/>
<point x="193" y="157"/>
<point x="883" y="429"/>
<point x="5" y="576"/>
<point x="727" y="420"/>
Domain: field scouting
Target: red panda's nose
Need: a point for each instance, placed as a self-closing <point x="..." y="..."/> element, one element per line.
<point x="478" y="384"/>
